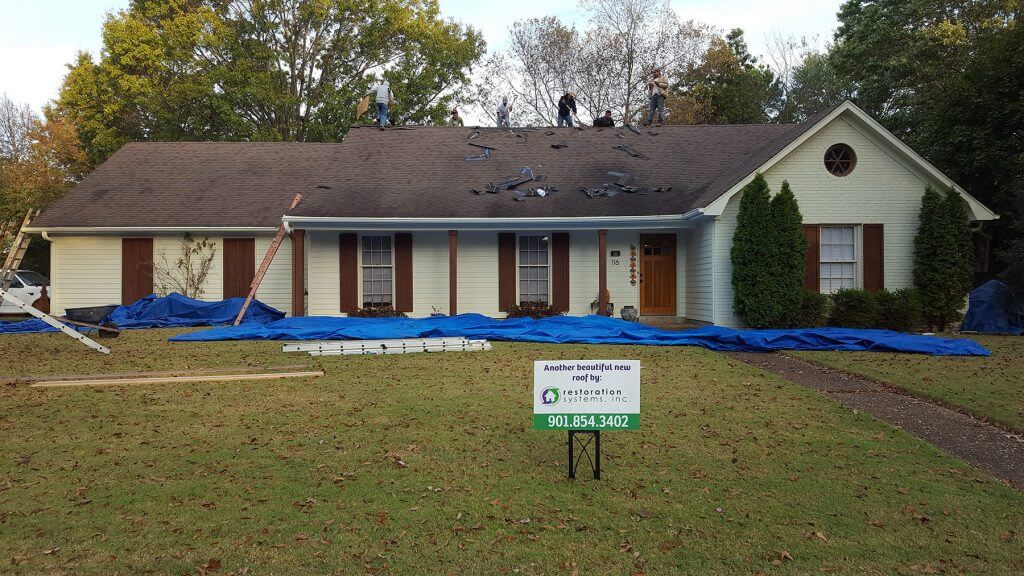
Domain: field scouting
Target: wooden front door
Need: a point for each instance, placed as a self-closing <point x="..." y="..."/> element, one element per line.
<point x="136" y="269"/>
<point x="239" y="266"/>
<point x="658" y="274"/>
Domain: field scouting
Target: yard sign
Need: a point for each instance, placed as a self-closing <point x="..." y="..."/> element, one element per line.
<point x="586" y="395"/>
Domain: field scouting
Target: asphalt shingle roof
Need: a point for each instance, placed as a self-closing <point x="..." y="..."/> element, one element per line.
<point x="418" y="172"/>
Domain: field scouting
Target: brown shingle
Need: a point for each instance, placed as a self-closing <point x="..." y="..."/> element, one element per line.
<point x="414" y="173"/>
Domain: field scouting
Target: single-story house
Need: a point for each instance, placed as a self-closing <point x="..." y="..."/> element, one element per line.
<point x="415" y="217"/>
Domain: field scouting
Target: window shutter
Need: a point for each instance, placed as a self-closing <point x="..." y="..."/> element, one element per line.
<point x="560" y="271"/>
<point x="874" y="258"/>
<point x="403" y="272"/>
<point x="348" y="285"/>
<point x="506" y="270"/>
<point x="812" y="271"/>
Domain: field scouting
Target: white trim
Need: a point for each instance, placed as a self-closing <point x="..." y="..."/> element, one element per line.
<point x="978" y="210"/>
<point x="555" y="223"/>
<point x="91" y="230"/>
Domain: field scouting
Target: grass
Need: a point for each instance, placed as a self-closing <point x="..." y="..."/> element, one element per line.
<point x="991" y="388"/>
<point x="427" y="464"/>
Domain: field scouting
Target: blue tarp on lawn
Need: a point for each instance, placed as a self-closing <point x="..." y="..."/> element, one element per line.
<point x="988" y="310"/>
<point x="173" y="311"/>
<point x="589" y="330"/>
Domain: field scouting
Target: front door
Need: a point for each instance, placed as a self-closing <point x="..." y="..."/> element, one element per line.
<point x="658" y="274"/>
<point x="136" y="269"/>
<point x="239" y="266"/>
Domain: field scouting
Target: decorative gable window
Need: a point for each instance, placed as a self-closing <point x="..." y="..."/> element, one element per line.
<point x="378" y="271"/>
<point x="838" y="258"/>
<point x="840" y="159"/>
<point x="534" y="269"/>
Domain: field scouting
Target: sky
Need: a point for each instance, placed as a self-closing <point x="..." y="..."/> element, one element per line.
<point x="42" y="36"/>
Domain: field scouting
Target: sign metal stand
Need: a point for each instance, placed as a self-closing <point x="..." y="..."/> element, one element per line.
<point x="590" y="438"/>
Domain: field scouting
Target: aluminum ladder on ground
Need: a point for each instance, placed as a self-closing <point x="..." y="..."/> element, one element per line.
<point x="268" y="258"/>
<point x="17" y="253"/>
<point x="400" y="346"/>
<point x="4" y="295"/>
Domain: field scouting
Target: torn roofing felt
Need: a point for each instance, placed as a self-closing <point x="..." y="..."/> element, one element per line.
<point x="420" y="172"/>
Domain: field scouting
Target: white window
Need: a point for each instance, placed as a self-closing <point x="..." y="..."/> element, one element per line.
<point x="838" y="258"/>
<point x="534" y="269"/>
<point x="378" y="271"/>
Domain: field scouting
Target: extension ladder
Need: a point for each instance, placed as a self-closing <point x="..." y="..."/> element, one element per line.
<point x="4" y="295"/>
<point x="268" y="258"/>
<point x="17" y="253"/>
<point x="402" y="346"/>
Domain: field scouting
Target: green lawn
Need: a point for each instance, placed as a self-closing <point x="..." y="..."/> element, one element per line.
<point x="991" y="388"/>
<point x="733" y="472"/>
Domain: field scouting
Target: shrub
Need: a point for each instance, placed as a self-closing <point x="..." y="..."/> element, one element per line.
<point x="854" y="309"/>
<point x="815" y="308"/>
<point x="943" y="258"/>
<point x="899" y="310"/>
<point x="535" y="310"/>
<point x="753" y="254"/>
<point x="377" y="312"/>
<point x="791" y="256"/>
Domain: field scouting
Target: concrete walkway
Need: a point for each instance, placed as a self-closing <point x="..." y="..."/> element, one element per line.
<point x="982" y="445"/>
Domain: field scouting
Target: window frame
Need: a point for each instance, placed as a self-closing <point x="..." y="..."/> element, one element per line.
<point x="520" y="265"/>
<point x="857" y="260"/>
<point x="363" y="266"/>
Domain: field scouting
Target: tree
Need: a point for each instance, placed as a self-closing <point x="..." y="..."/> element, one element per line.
<point x="262" y="69"/>
<point x="607" y="64"/>
<point x="814" y="86"/>
<point x="943" y="257"/>
<point x="40" y="158"/>
<point x="948" y="78"/>
<point x="728" y="86"/>
<point x="790" y="260"/>
<point x="754" y="257"/>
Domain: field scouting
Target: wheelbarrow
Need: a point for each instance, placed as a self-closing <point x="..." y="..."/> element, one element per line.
<point x="92" y="317"/>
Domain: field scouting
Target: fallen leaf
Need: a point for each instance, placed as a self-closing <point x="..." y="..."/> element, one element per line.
<point x="213" y="565"/>
<point x="51" y="551"/>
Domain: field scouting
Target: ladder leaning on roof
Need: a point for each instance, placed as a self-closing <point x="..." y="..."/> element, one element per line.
<point x="265" y="265"/>
<point x="18" y="250"/>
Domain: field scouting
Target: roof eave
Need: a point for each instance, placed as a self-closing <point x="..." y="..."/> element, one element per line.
<point x="560" y="223"/>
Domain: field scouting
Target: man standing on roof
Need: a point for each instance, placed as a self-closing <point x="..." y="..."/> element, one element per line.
<point x="605" y="121"/>
<point x="455" y="119"/>
<point x="504" y="113"/>
<point x="566" y="109"/>
<point x="384" y="98"/>
<point x="658" y="89"/>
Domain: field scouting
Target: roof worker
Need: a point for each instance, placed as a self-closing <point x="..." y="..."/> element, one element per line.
<point x="504" y="113"/>
<point x="658" y="89"/>
<point x="384" y="98"/>
<point x="455" y="119"/>
<point x="605" y="121"/>
<point x="566" y="109"/>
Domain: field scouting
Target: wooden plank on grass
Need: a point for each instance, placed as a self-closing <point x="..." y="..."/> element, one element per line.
<point x="182" y="372"/>
<point x="176" y="379"/>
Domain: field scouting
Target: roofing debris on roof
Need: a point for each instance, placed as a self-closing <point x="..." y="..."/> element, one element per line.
<point x="518" y="179"/>
<point x="629" y="150"/>
<point x="522" y="195"/>
<point x="624" y="182"/>
<point x="562" y="144"/>
<point x="481" y="156"/>
<point x="633" y="129"/>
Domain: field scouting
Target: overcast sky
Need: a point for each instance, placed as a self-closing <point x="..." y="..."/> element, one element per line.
<point x="40" y="37"/>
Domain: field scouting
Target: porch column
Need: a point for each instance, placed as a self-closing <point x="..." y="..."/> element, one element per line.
<point x="453" y="272"/>
<point x="298" y="272"/>
<point x="602" y="272"/>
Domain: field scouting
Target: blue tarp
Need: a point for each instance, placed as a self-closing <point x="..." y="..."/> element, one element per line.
<point x="589" y="330"/>
<point x="988" y="310"/>
<point x="173" y="311"/>
<point x="177" y="311"/>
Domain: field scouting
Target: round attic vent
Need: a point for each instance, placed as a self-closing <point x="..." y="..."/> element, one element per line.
<point x="840" y="159"/>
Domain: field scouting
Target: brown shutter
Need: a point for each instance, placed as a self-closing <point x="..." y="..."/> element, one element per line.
<point x="812" y="272"/>
<point x="874" y="258"/>
<point x="403" y="272"/>
<point x="560" y="271"/>
<point x="239" y="256"/>
<point x="136" y="269"/>
<point x="506" y="270"/>
<point x="348" y="285"/>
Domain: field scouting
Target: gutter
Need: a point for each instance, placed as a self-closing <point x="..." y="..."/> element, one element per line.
<point x="142" y="230"/>
<point x="560" y="223"/>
